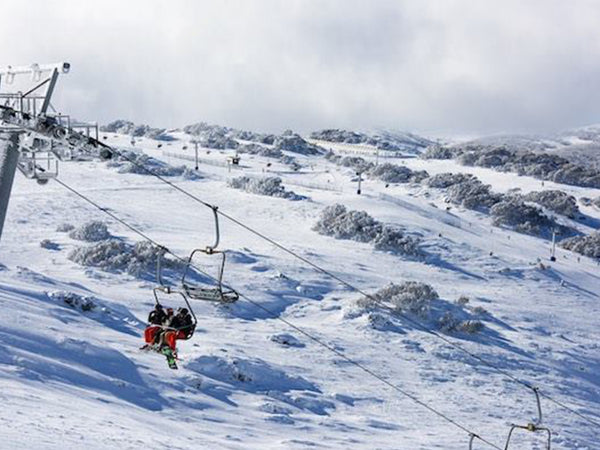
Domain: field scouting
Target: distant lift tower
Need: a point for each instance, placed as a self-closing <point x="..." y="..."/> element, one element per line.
<point x="33" y="136"/>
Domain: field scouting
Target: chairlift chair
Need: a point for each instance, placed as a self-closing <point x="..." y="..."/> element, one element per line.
<point x="534" y="427"/>
<point x="216" y="292"/>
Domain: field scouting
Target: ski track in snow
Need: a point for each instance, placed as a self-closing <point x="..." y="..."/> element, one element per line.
<point x="71" y="378"/>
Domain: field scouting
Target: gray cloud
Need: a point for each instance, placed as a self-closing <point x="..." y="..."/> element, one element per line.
<point x="435" y="66"/>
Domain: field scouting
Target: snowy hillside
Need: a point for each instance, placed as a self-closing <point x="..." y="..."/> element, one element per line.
<point x="74" y="311"/>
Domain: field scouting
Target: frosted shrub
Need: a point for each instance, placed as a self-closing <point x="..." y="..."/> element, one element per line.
<point x="218" y="141"/>
<point x="471" y="326"/>
<point x="577" y="176"/>
<point x="142" y="164"/>
<point x="270" y="186"/>
<point x="354" y="162"/>
<point x="556" y="201"/>
<point x="445" y="180"/>
<point x="340" y="223"/>
<point x="524" y="218"/>
<point x="118" y="126"/>
<point x="117" y="256"/>
<point x="473" y="194"/>
<point x="584" y="245"/>
<point x="463" y="300"/>
<point x="260" y="150"/>
<point x="393" y="239"/>
<point x="292" y="142"/>
<point x="65" y="228"/>
<point x="479" y="310"/>
<point x="439" y="152"/>
<point x="83" y="302"/>
<point x="91" y="232"/>
<point x="541" y="165"/>
<point x="357" y="163"/>
<point x="126" y="127"/>
<point x="393" y="173"/>
<point x="383" y="140"/>
<point x="448" y="323"/>
<point x="335" y="135"/>
<point x="411" y="296"/>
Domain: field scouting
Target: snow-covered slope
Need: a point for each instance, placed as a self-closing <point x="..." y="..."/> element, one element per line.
<point x="73" y="377"/>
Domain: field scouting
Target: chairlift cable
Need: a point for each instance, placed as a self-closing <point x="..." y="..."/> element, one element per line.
<point x="353" y="287"/>
<point x="274" y="315"/>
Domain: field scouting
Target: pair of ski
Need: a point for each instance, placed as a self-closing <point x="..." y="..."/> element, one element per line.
<point x="163" y="350"/>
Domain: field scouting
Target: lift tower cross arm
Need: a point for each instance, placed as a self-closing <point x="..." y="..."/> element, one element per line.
<point x="32" y="138"/>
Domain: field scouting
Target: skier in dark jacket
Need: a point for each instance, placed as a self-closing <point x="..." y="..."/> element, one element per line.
<point x="181" y="327"/>
<point x="156" y="320"/>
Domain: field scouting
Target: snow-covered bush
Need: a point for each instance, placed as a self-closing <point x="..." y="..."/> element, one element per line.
<point x="577" y="176"/>
<point x="118" y="126"/>
<point x="385" y="140"/>
<point x="83" y="302"/>
<point x="463" y="300"/>
<point x="394" y="240"/>
<point x="337" y="221"/>
<point x="65" y="227"/>
<point x="126" y="127"/>
<point x="393" y="173"/>
<point x="473" y="194"/>
<point x="445" y="180"/>
<point x="293" y="142"/>
<point x="556" y="201"/>
<point x="139" y="163"/>
<point x="524" y="218"/>
<point x="545" y="166"/>
<point x="439" y="152"/>
<point x="448" y="323"/>
<point x="93" y="231"/>
<point x="117" y="256"/>
<point x="260" y="150"/>
<point x="335" y="135"/>
<point x="218" y="142"/>
<point x="270" y="186"/>
<point x="411" y="296"/>
<point x="584" y="245"/>
<point x="340" y="223"/>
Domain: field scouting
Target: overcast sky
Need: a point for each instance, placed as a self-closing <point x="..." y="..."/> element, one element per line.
<point x="431" y="66"/>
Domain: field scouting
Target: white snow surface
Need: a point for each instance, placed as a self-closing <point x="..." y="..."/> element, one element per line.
<point x="71" y="378"/>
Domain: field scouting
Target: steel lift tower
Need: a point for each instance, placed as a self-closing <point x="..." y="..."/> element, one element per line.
<point x="33" y="136"/>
